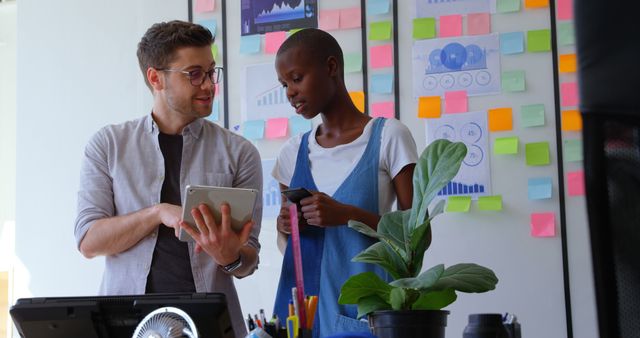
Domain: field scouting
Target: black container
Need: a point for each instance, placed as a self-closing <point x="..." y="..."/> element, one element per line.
<point x="485" y="325"/>
<point x="411" y="323"/>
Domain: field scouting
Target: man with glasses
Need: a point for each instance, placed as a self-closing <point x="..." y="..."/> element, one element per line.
<point x="133" y="175"/>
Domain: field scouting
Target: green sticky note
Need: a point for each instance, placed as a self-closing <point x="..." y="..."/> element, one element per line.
<point x="352" y="62"/>
<point x="537" y="153"/>
<point x="458" y="204"/>
<point x="505" y="145"/>
<point x="490" y="203"/>
<point x="380" y="30"/>
<point x="539" y="40"/>
<point x="566" y="34"/>
<point x="294" y="31"/>
<point x="513" y="81"/>
<point x="532" y="115"/>
<point x="214" y="51"/>
<point x="424" y="28"/>
<point x="507" y="6"/>
<point x="572" y="150"/>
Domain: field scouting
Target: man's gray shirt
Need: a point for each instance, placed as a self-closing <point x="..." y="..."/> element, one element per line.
<point x="123" y="171"/>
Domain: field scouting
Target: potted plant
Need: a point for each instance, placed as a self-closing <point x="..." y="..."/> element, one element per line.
<point x="410" y="305"/>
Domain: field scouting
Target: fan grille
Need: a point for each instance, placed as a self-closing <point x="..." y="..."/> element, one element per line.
<point x="166" y="322"/>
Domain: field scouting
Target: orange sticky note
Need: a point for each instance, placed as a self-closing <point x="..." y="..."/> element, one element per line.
<point x="543" y="224"/>
<point x="450" y="25"/>
<point x="567" y="63"/>
<point x="571" y="120"/>
<point x="429" y="107"/>
<point x="381" y="56"/>
<point x="500" y="119"/>
<point x="478" y="23"/>
<point x="536" y="3"/>
<point x="329" y="20"/>
<point x="358" y="100"/>
<point x="383" y="109"/>
<point x="456" y="102"/>
<point x="575" y="183"/>
<point x="350" y="18"/>
<point x="276" y="128"/>
<point x="569" y="94"/>
<point x="273" y="40"/>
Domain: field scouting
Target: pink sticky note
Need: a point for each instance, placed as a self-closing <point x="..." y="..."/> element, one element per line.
<point x="276" y="128"/>
<point x="273" y="40"/>
<point x="350" y="18"/>
<point x="383" y="109"/>
<point x="543" y="224"/>
<point x="565" y="9"/>
<point x="329" y="20"/>
<point x="478" y="23"/>
<point x="456" y="102"/>
<point x="575" y="182"/>
<point x="205" y="6"/>
<point x="381" y="56"/>
<point x="450" y="25"/>
<point x="569" y="94"/>
<point x="216" y="88"/>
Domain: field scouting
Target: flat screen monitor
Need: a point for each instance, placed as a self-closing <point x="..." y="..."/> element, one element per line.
<point x="115" y="316"/>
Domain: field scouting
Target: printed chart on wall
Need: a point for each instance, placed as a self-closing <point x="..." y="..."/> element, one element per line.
<point x="474" y="177"/>
<point x="270" y="191"/>
<point x="264" y="97"/>
<point x="264" y="16"/>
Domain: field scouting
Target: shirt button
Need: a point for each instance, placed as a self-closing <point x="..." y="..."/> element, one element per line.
<point x="161" y="178"/>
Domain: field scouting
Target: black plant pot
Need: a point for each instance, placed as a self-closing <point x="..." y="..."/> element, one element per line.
<point x="407" y="324"/>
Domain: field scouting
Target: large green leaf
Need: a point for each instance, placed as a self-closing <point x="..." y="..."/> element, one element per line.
<point x="435" y="300"/>
<point x="424" y="281"/>
<point x="420" y="241"/>
<point x="390" y="231"/>
<point x="381" y="254"/>
<point x="363" y="285"/>
<point x="372" y="303"/>
<point x="467" y="277"/>
<point x="397" y="298"/>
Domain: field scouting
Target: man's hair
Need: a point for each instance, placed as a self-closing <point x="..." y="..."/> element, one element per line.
<point x="319" y="45"/>
<point x="158" y="45"/>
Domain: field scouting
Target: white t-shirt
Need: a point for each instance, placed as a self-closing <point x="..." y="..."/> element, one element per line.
<point x="331" y="166"/>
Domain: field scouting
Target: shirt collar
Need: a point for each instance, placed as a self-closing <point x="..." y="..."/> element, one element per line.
<point x="194" y="128"/>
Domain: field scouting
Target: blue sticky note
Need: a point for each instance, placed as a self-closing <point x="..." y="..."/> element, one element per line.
<point x="377" y="7"/>
<point x="539" y="188"/>
<point x="215" y="114"/>
<point x="382" y="83"/>
<point x="210" y="24"/>
<point x="512" y="43"/>
<point x="299" y="124"/>
<point x="250" y="44"/>
<point x="253" y="130"/>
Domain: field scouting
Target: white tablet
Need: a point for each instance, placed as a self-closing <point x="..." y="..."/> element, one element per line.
<point x="241" y="201"/>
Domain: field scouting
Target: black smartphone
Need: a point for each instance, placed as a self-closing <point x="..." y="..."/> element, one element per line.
<point x="295" y="195"/>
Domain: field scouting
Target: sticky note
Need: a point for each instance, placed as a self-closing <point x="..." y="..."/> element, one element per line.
<point x="567" y="63"/>
<point x="450" y="25"/>
<point x="543" y="224"/>
<point x="382" y="83"/>
<point x="381" y="56"/>
<point x="424" y="28"/>
<point x="512" y="43"/>
<point x="293" y="31"/>
<point x="379" y="31"/>
<point x="276" y="127"/>
<point x="329" y="20"/>
<point x="205" y="6"/>
<point x="568" y="94"/>
<point x="458" y="204"/>
<point x="565" y="9"/>
<point x="505" y="145"/>
<point x="571" y="120"/>
<point x="530" y="4"/>
<point x="383" y="109"/>
<point x="377" y="7"/>
<point x="537" y="153"/>
<point x="513" y="81"/>
<point x="429" y="107"/>
<point x="358" y="100"/>
<point x="539" y="40"/>
<point x="572" y="150"/>
<point x="566" y="34"/>
<point x="490" y="203"/>
<point x="211" y="25"/>
<point x="539" y="188"/>
<point x="214" y="51"/>
<point x="478" y="23"/>
<point x="250" y="44"/>
<point x="532" y="115"/>
<point x="456" y="102"/>
<point x="500" y="119"/>
<point x="352" y="62"/>
<point x="215" y="113"/>
<point x="299" y="125"/>
<point x="273" y="41"/>
<point x="253" y="130"/>
<point x="575" y="183"/>
<point x="350" y="18"/>
<point x="507" y="6"/>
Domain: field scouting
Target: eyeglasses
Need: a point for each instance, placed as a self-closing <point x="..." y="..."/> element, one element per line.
<point x="198" y="76"/>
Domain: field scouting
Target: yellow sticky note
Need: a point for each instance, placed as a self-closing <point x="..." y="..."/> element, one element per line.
<point x="358" y="100"/>
<point x="458" y="204"/>
<point x="490" y="203"/>
<point x="505" y="145"/>
<point x="500" y="119"/>
<point x="571" y="120"/>
<point x="429" y="107"/>
<point x="536" y="3"/>
<point x="214" y="51"/>
<point x="567" y="63"/>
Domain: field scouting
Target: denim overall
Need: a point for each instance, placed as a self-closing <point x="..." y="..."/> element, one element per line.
<point x="327" y="252"/>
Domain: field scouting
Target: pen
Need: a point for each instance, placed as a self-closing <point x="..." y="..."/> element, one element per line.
<point x="291" y="310"/>
<point x="250" y="323"/>
<point x="311" y="313"/>
<point x="292" y="327"/>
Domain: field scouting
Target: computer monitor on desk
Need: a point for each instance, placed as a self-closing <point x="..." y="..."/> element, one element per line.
<point x="115" y="316"/>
